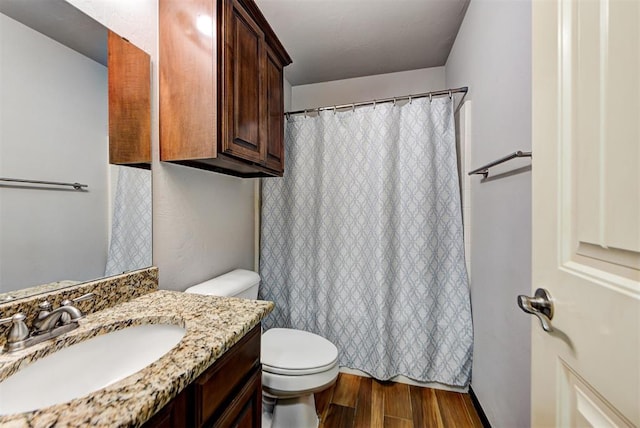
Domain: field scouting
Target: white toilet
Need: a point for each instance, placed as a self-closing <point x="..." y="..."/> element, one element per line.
<point x="295" y="363"/>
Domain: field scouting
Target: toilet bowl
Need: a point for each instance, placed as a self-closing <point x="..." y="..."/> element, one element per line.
<point x="295" y="363"/>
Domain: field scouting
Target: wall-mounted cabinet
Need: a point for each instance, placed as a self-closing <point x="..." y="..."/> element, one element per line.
<point x="221" y="88"/>
<point x="129" y="70"/>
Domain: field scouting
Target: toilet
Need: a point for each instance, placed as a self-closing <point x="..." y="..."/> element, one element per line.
<point x="295" y="363"/>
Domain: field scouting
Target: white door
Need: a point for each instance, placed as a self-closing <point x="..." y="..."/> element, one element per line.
<point x="586" y="212"/>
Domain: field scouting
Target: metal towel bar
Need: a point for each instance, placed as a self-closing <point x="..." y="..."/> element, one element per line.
<point x="484" y="170"/>
<point x="76" y="186"/>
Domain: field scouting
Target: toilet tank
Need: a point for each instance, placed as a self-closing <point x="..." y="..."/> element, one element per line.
<point x="237" y="283"/>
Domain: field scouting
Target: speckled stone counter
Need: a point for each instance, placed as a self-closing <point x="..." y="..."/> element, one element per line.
<point x="213" y="325"/>
<point x="107" y="292"/>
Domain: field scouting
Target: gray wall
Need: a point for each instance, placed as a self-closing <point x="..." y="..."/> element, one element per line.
<point x="203" y="222"/>
<point x="367" y="88"/>
<point x="492" y="55"/>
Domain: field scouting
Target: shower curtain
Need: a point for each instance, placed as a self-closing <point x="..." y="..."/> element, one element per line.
<point x="362" y="240"/>
<point x="130" y="245"/>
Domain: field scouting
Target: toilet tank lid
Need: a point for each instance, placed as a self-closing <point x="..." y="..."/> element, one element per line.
<point x="229" y="284"/>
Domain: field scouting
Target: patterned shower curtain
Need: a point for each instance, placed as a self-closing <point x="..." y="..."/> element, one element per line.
<point x="362" y="240"/>
<point x="130" y="245"/>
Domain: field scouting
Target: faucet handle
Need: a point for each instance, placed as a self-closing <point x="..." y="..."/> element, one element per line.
<point x="19" y="330"/>
<point x="45" y="309"/>
<point x="82" y="298"/>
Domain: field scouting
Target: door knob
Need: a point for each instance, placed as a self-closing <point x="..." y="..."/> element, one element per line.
<point x="540" y="305"/>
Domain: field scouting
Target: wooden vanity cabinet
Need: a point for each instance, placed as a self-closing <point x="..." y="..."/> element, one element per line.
<point x="221" y="87"/>
<point x="227" y="394"/>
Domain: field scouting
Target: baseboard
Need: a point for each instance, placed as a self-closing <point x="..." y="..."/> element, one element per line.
<point x="479" y="410"/>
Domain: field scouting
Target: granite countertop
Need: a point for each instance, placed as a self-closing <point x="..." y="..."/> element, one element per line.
<point x="213" y="325"/>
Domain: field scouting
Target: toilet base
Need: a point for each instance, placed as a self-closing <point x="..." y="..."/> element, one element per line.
<point x="299" y="412"/>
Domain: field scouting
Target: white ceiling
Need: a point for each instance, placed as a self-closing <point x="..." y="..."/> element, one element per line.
<point x="339" y="39"/>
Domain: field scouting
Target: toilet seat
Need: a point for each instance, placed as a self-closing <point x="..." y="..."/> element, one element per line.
<point x="295" y="352"/>
<point x="297" y="362"/>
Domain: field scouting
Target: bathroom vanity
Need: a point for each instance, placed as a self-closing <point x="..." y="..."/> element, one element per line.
<point x="211" y="377"/>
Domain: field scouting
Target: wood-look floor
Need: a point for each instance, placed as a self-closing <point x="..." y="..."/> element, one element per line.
<point x="356" y="402"/>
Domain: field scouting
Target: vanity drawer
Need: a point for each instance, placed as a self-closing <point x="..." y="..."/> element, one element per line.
<point x="223" y="382"/>
<point x="245" y="410"/>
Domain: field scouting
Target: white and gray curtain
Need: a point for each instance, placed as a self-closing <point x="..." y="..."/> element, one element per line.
<point x="130" y="244"/>
<point x="362" y="240"/>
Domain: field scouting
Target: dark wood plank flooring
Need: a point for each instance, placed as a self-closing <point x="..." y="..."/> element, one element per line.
<point x="355" y="402"/>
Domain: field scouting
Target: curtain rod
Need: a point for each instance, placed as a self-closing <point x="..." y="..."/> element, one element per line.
<point x="440" y="93"/>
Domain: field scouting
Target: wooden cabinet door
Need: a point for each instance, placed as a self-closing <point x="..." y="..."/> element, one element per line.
<point x="275" y="113"/>
<point x="245" y="411"/>
<point x="129" y="70"/>
<point x="244" y="89"/>
<point x="187" y="80"/>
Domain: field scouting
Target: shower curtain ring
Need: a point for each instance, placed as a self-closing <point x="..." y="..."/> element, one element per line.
<point x="374" y="104"/>
<point x="430" y="97"/>
<point x="305" y="113"/>
<point x="334" y="109"/>
<point x="394" y="102"/>
<point x="319" y="110"/>
<point x="410" y="100"/>
<point x="353" y="107"/>
<point x="450" y="95"/>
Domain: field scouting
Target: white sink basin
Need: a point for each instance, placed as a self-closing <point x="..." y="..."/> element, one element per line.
<point x="86" y="367"/>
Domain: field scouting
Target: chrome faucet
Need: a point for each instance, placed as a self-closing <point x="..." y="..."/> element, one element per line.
<point x="49" y="319"/>
<point x="48" y="324"/>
